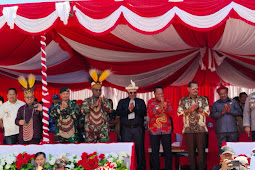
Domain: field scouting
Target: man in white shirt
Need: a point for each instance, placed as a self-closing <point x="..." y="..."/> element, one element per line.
<point x="8" y="114"/>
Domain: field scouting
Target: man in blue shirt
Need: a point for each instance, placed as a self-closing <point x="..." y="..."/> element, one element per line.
<point x="224" y="111"/>
<point x="55" y="99"/>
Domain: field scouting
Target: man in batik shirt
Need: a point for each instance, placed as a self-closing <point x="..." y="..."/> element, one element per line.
<point x="160" y="127"/>
<point x="194" y="109"/>
<point x="66" y="114"/>
<point x="96" y="109"/>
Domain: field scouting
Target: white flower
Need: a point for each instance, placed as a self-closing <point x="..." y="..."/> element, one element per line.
<point x="106" y="155"/>
<point x="70" y="158"/>
<point x="1" y="167"/>
<point x="110" y="159"/>
<point x="2" y="162"/>
<point x="71" y="166"/>
<point x="114" y="155"/>
<point x="52" y="161"/>
<point x="123" y="154"/>
<point x="15" y="153"/>
<point x="121" y="159"/>
<point x="77" y="159"/>
<point x="7" y="166"/>
<point x="9" y="161"/>
<point x="114" y="164"/>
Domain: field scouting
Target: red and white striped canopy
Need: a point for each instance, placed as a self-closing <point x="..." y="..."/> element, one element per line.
<point x="150" y="42"/>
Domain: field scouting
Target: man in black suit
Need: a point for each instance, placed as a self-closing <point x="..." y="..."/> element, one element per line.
<point x="131" y="111"/>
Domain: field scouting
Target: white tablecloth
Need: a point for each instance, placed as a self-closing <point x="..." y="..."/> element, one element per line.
<point x="78" y="149"/>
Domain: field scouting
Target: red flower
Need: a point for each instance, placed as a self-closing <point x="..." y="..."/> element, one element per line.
<point x="94" y="153"/>
<point x="84" y="155"/>
<point x="79" y="162"/>
<point x="25" y="155"/>
<point x="91" y="162"/>
<point x="23" y="161"/>
<point x="86" y="166"/>
<point x="95" y="159"/>
<point x="19" y="156"/>
<point x="27" y="159"/>
<point x="101" y="156"/>
<point x="18" y="164"/>
<point x="85" y="160"/>
<point x="95" y="166"/>
<point x="89" y="155"/>
<point x="33" y="156"/>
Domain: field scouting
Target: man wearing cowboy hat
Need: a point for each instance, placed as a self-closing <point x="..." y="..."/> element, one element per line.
<point x="131" y="111"/>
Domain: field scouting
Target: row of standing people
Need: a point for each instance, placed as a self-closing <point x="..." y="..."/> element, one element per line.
<point x="131" y="111"/>
<point x="68" y="118"/>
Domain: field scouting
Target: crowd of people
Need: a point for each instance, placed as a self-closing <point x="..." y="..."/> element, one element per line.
<point x="95" y="117"/>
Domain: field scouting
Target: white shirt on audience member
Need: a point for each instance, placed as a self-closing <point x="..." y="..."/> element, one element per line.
<point x="8" y="113"/>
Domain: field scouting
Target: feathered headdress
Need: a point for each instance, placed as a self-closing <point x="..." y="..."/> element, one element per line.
<point x="131" y="87"/>
<point x="27" y="86"/>
<point x="96" y="81"/>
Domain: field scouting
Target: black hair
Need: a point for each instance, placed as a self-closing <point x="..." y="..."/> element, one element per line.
<point x="192" y="82"/>
<point x="158" y="87"/>
<point x="12" y="89"/>
<point x="2" y="99"/>
<point x="242" y="93"/>
<point x="110" y="100"/>
<point x="40" y="153"/>
<point x="237" y="99"/>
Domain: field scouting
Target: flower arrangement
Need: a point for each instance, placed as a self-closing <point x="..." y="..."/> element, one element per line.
<point x="86" y="161"/>
<point x="23" y="161"/>
<point x="15" y="161"/>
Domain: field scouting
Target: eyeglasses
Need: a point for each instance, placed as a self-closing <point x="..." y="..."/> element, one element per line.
<point x="194" y="89"/>
<point x="97" y="89"/>
<point x="132" y="92"/>
<point x="29" y="97"/>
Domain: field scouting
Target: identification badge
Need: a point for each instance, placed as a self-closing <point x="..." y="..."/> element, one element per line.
<point x="252" y="105"/>
<point x="131" y="115"/>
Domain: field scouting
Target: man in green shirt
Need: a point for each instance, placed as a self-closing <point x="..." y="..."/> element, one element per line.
<point x="67" y="117"/>
<point x="96" y="109"/>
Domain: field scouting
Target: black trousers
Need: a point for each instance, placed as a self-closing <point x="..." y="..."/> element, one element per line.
<point x="196" y="141"/>
<point x="253" y="135"/>
<point x="137" y="135"/>
<point x="155" y="146"/>
<point x="227" y="137"/>
<point x="13" y="139"/>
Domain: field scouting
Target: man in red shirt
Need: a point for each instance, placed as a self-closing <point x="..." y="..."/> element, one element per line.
<point x="160" y="127"/>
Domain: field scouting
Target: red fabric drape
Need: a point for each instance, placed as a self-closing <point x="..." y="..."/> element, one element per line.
<point x="14" y="46"/>
<point x="106" y="41"/>
<point x="30" y="10"/>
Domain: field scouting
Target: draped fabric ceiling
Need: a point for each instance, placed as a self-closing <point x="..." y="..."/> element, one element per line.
<point x="150" y="42"/>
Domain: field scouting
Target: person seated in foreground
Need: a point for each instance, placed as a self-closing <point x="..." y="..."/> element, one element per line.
<point x="227" y="156"/>
<point x="40" y="159"/>
<point x="244" y="160"/>
<point x="61" y="163"/>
